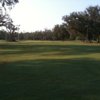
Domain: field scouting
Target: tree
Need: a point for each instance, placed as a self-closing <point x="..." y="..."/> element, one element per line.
<point x="86" y="23"/>
<point x="11" y="30"/>
<point x="93" y="14"/>
<point x="5" y="19"/>
<point x="73" y="24"/>
<point x="60" y="32"/>
<point x="8" y="2"/>
<point x="3" y="33"/>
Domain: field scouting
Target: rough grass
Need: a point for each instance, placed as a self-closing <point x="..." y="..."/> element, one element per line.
<point x="45" y="70"/>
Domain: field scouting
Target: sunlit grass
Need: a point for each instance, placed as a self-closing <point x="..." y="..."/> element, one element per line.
<point x="49" y="56"/>
<point x="24" y="50"/>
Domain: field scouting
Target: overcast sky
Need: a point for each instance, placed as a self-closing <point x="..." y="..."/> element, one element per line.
<point x="35" y="15"/>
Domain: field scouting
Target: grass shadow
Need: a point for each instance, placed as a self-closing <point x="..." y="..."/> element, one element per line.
<point x="36" y="49"/>
<point x="56" y="79"/>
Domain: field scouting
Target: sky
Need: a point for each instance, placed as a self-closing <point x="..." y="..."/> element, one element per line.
<point x="33" y="15"/>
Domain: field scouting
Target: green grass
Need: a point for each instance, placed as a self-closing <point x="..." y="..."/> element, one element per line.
<point x="45" y="70"/>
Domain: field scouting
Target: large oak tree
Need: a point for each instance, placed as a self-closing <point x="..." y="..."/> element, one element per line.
<point x="87" y="23"/>
<point x="5" y="19"/>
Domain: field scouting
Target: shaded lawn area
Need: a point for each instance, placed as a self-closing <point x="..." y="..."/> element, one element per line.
<point x="49" y="71"/>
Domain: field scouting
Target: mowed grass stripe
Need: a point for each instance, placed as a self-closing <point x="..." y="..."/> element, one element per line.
<point x="49" y="70"/>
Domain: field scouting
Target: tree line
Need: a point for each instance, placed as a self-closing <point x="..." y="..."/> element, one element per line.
<point x="84" y="25"/>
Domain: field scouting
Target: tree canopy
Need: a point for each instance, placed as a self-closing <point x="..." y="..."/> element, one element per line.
<point x="5" y="19"/>
<point x="8" y="2"/>
<point x="86" y="23"/>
